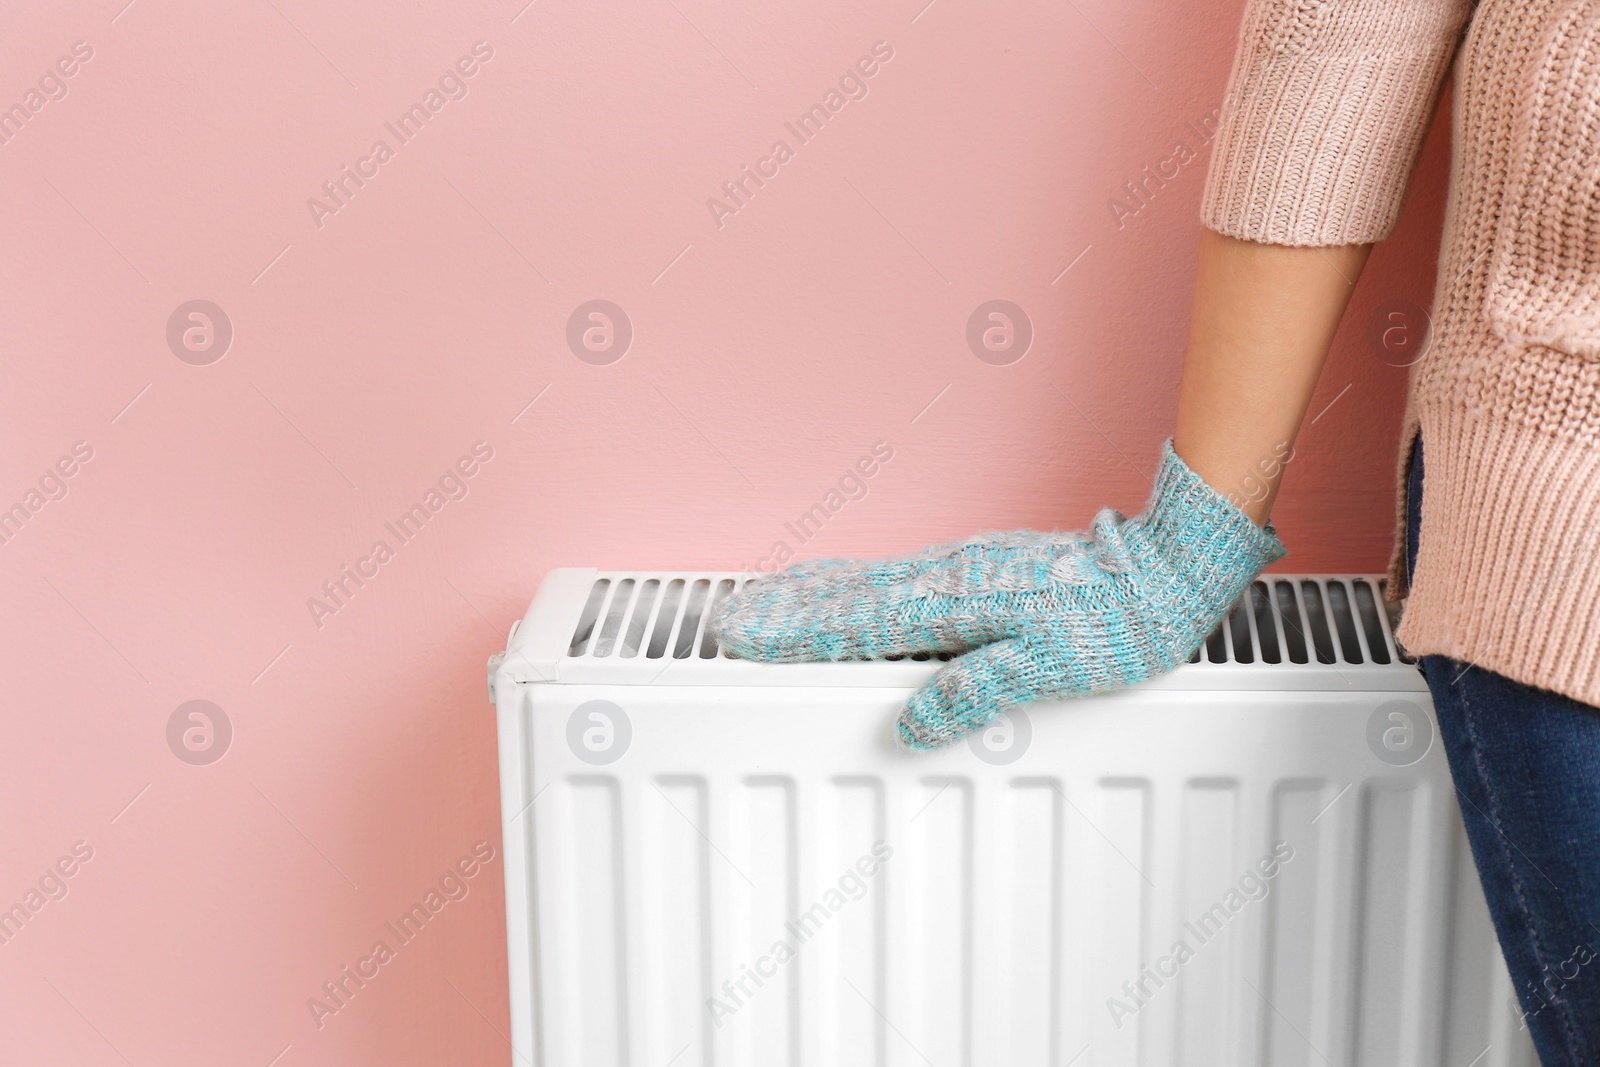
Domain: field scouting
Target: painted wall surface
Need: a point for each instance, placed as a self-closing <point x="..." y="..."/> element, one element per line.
<point x="396" y="218"/>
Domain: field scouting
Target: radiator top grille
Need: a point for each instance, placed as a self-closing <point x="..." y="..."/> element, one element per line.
<point x="1279" y="621"/>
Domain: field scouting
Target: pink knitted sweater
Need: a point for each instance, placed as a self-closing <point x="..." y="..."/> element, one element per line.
<point x="1325" y="112"/>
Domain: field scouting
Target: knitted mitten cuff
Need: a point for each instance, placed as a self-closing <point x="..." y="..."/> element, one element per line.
<point x="1211" y="549"/>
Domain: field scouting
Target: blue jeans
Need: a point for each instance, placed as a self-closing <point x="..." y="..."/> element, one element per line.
<point x="1526" y="764"/>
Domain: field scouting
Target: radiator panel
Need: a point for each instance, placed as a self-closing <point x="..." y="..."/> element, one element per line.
<point x="714" y="862"/>
<point x="713" y="897"/>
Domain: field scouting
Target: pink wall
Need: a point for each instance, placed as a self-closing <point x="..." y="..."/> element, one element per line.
<point x="373" y="346"/>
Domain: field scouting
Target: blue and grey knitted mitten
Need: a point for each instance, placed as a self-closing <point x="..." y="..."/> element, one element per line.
<point x="1037" y="615"/>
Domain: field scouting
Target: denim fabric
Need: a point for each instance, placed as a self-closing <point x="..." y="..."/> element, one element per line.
<point x="1526" y="764"/>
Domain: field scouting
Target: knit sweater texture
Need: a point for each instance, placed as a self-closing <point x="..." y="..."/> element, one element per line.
<point x="1323" y="118"/>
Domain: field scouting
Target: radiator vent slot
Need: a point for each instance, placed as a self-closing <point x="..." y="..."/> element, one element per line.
<point x="1278" y="621"/>
<point x="1305" y="620"/>
<point x="626" y="617"/>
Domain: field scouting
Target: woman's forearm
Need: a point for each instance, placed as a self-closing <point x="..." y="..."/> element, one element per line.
<point x="1263" y="319"/>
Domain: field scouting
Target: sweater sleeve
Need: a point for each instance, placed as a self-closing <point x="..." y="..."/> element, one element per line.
<point x="1324" y="115"/>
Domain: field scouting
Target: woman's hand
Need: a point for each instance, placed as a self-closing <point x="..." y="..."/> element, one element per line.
<point x="1034" y="615"/>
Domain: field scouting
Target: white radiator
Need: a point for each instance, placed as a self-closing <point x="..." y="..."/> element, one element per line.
<point x="1256" y="859"/>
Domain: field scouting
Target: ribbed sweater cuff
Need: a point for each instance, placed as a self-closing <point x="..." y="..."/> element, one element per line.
<point x="1324" y="115"/>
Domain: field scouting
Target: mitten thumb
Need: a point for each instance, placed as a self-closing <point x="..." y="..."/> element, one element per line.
<point x="977" y="687"/>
